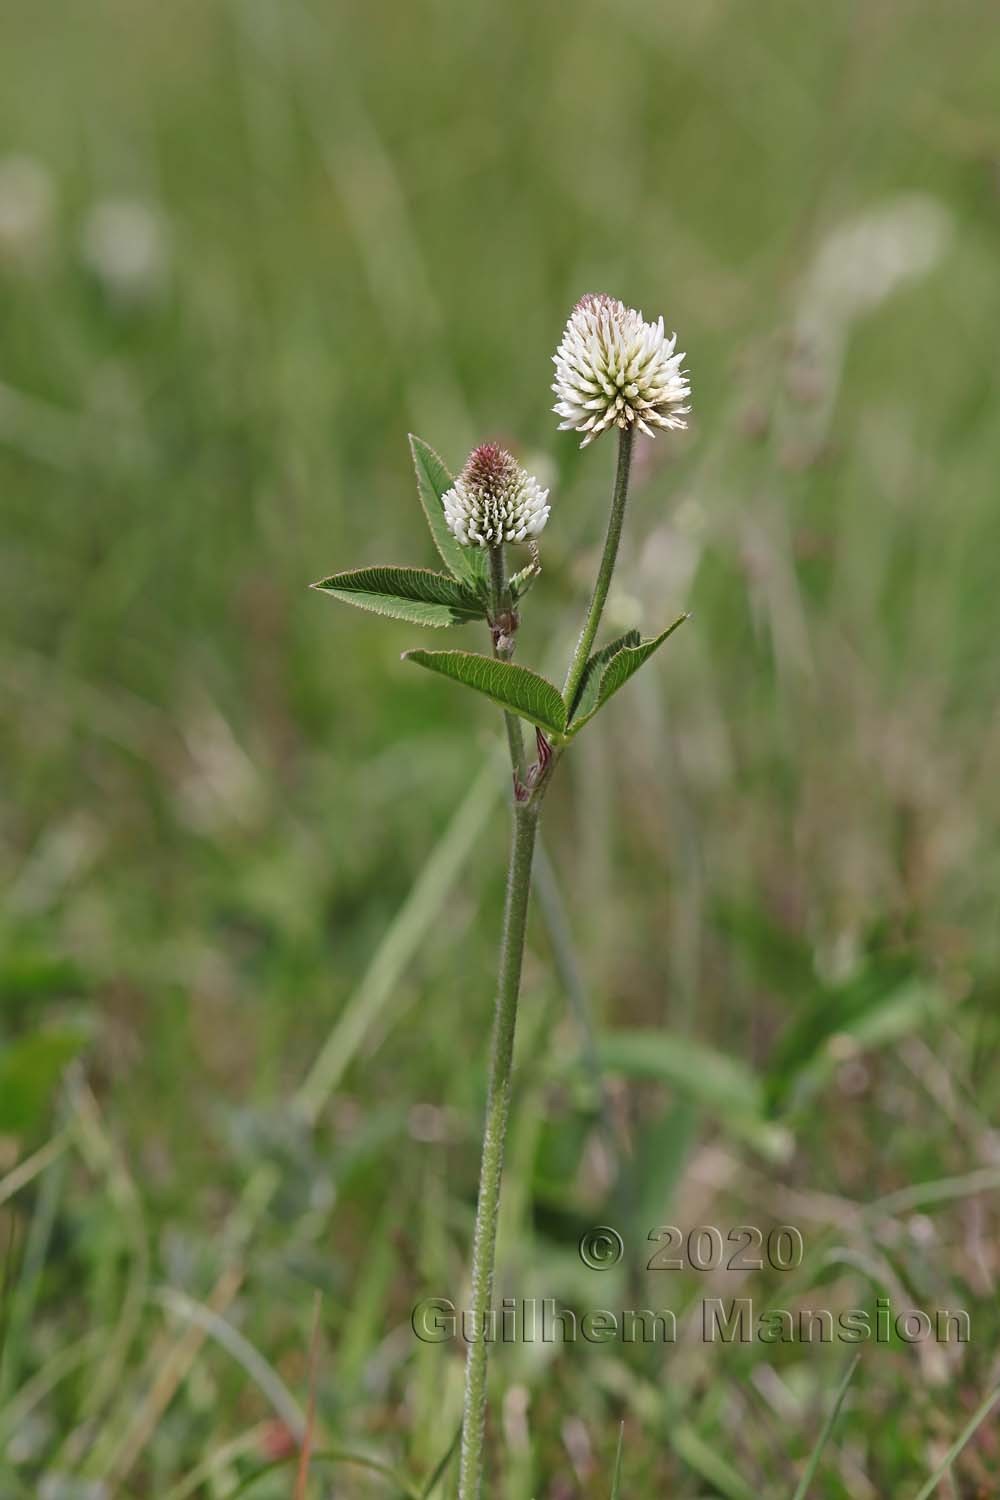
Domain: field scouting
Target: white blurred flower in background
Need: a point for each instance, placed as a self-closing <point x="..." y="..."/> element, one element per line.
<point x="864" y="260"/>
<point x="858" y="266"/>
<point x="125" y="245"/>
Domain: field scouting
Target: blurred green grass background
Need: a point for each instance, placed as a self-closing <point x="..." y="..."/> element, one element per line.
<point x="244" y="247"/>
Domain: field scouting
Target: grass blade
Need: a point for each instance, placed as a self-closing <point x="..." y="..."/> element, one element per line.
<point x="440" y="1468"/>
<point x="239" y="1348"/>
<point x="28" y="1169"/>
<point x="706" y="1460"/>
<point x="302" y="1478"/>
<point x="828" y="1426"/>
<point x="966" y="1436"/>
<point x="616" y="1481"/>
<point x="330" y="1456"/>
<point x="402" y="937"/>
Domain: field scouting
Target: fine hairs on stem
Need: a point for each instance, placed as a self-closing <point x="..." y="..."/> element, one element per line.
<point x="522" y="847"/>
<point x="613" y="370"/>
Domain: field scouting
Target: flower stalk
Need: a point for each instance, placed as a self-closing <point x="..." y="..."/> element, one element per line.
<point x="609" y="557"/>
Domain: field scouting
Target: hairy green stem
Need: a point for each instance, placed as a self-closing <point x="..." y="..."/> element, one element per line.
<point x="502" y="625"/>
<point x="501" y="605"/>
<point x="491" y="1168"/>
<point x="611" y="540"/>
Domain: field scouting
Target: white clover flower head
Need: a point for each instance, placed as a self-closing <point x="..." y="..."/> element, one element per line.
<point x="494" y="500"/>
<point x="615" y="370"/>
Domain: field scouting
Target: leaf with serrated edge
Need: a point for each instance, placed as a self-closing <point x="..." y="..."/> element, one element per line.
<point x="615" y="670"/>
<point x="467" y="564"/>
<point x="514" y="687"/>
<point x="414" y="594"/>
<point x="585" y="702"/>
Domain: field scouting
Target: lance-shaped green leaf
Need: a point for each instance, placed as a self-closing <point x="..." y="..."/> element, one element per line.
<point x="466" y="564"/>
<point x="585" y="702"/>
<point x="611" y="667"/>
<point x="722" y="1084"/>
<point x="414" y="594"/>
<point x="514" y="687"/>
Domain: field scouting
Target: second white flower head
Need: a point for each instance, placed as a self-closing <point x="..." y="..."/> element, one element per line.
<point x="615" y="370"/>
<point x="494" y="500"/>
